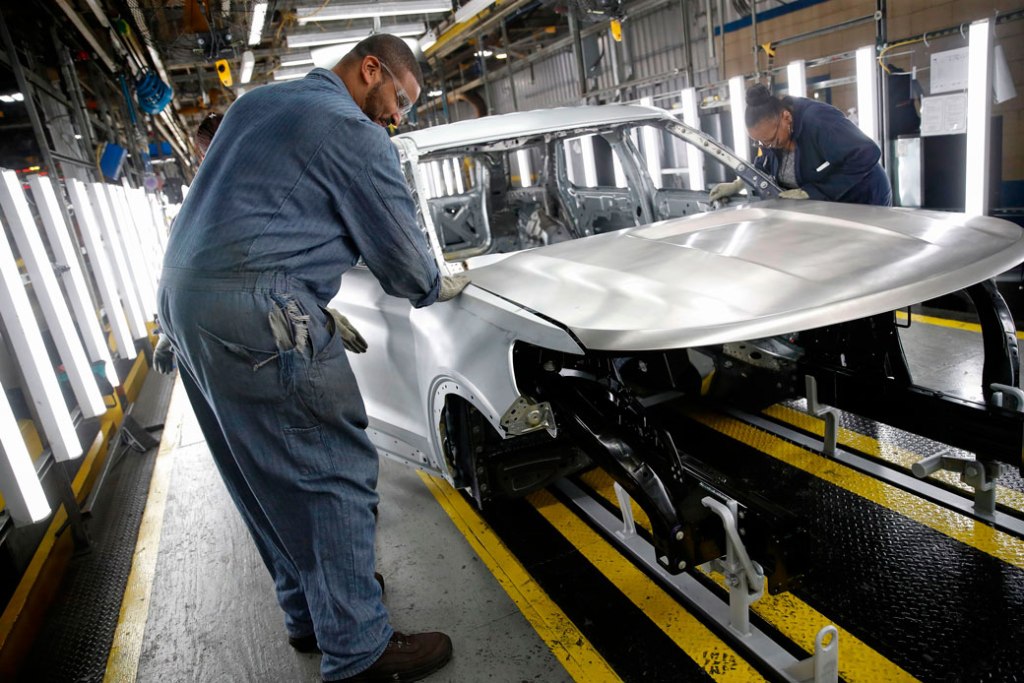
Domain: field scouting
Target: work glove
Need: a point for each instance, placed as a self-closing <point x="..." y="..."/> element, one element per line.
<point x="724" y="190"/>
<point x="795" y="193"/>
<point x="452" y="286"/>
<point x="163" y="356"/>
<point x="350" y="336"/>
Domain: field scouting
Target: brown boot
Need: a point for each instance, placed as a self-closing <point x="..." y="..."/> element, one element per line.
<point x="407" y="658"/>
<point x="307" y="644"/>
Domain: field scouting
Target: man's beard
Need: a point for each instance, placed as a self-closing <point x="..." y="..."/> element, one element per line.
<point x="374" y="106"/>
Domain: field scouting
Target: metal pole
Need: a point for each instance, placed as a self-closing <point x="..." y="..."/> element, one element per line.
<point x="753" y="33"/>
<point x="30" y="105"/>
<point x="684" y="6"/>
<point x="721" y="37"/>
<point x="77" y="106"/>
<point x="483" y="72"/>
<point x="883" y="83"/>
<point x="577" y="50"/>
<point x="508" y="65"/>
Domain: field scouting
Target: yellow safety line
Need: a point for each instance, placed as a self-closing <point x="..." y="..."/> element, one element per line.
<point x="960" y="527"/>
<point x="886" y="451"/>
<point x="794" y="618"/>
<point x="709" y="651"/>
<point x="123" y="662"/>
<point x="945" y="322"/>
<point x="583" y="662"/>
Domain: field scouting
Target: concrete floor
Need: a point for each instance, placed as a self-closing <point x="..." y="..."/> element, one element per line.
<point x="213" y="616"/>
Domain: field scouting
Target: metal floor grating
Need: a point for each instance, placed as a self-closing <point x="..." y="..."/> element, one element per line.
<point x="75" y="640"/>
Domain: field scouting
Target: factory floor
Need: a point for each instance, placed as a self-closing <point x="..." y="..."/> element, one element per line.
<point x="529" y="591"/>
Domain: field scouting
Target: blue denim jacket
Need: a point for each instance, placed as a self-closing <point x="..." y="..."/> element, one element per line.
<point x="299" y="180"/>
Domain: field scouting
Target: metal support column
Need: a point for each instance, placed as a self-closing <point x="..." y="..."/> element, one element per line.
<point x="684" y="7"/>
<point x="483" y="72"/>
<point x="577" y="51"/>
<point x="508" y="65"/>
<point x="881" y="36"/>
<point x="77" y="107"/>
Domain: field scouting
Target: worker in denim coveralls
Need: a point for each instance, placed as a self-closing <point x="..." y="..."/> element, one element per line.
<point x="301" y="181"/>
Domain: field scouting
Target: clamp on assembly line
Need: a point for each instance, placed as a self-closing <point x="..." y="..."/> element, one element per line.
<point x="828" y="413"/>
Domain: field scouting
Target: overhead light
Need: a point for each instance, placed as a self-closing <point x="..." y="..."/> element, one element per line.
<point x="738" y="107"/>
<point x="428" y="40"/>
<point x="796" y="73"/>
<point x="483" y="53"/>
<point x="289" y="72"/>
<point x="12" y="98"/>
<point x="501" y="55"/>
<point x="435" y="93"/>
<point x="329" y="55"/>
<point x="354" y="35"/>
<point x="259" y="15"/>
<point x="694" y="157"/>
<point x="248" y="63"/>
<point x="867" y="91"/>
<point x="296" y="58"/>
<point x="394" y="8"/>
<point x="979" y="109"/>
<point x="471" y="9"/>
<point x="78" y="136"/>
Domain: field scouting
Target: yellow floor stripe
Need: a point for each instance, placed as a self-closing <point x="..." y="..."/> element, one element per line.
<point x="960" y="527"/>
<point x="123" y="662"/>
<point x="886" y="451"/>
<point x="944" y="322"/>
<point x="583" y="662"/>
<point x="794" y="618"/>
<point x="709" y="651"/>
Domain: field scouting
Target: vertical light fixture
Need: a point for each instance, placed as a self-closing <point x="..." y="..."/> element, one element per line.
<point x="979" y="110"/>
<point x="694" y="157"/>
<point x="652" y="148"/>
<point x="738" y="108"/>
<point x="19" y="483"/>
<point x="867" y="92"/>
<point x="589" y="162"/>
<point x="457" y="171"/>
<point x="525" y="170"/>
<point x="49" y="296"/>
<point x="796" y="75"/>
<point x="259" y="15"/>
<point x="248" y="64"/>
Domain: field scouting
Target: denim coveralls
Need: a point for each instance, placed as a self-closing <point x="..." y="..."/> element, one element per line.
<point x="297" y="185"/>
<point x="834" y="159"/>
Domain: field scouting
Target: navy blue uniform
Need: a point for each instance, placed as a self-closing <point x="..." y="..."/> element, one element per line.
<point x="835" y="161"/>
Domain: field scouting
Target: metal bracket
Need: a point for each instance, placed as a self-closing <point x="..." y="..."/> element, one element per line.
<point x="823" y="665"/>
<point x="525" y="416"/>
<point x="626" y="510"/>
<point x="1002" y="392"/>
<point x="829" y="414"/>
<point x="744" y="577"/>
<point x="981" y="476"/>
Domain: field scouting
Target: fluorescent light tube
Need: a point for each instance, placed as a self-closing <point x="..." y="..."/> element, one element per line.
<point x="296" y="58"/>
<point x="796" y="73"/>
<point x="979" y="109"/>
<point x="867" y="91"/>
<point x="738" y="107"/>
<point x="471" y="9"/>
<point x="290" y="72"/>
<point x="259" y="15"/>
<point x="248" y="64"/>
<point x="428" y="40"/>
<point x="394" y="8"/>
<point x="354" y="35"/>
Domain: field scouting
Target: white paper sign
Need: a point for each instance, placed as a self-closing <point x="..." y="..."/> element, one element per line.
<point x="949" y="70"/>
<point x="944" y="115"/>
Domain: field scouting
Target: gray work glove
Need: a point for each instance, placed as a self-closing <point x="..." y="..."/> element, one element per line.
<point x="163" y="356"/>
<point x="795" y="193"/>
<point x="724" y="190"/>
<point x="452" y="286"/>
<point x="350" y="336"/>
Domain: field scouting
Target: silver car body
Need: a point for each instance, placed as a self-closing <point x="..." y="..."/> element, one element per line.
<point x="758" y="269"/>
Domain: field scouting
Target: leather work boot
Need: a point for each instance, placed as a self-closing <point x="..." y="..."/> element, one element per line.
<point x="407" y="658"/>
<point x="307" y="644"/>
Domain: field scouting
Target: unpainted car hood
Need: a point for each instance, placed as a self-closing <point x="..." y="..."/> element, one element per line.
<point x="752" y="271"/>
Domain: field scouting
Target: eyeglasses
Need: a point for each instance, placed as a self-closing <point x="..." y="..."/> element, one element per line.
<point x="404" y="101"/>
<point x="773" y="142"/>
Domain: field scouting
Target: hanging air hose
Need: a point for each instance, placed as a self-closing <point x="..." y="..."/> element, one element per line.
<point x="152" y="93"/>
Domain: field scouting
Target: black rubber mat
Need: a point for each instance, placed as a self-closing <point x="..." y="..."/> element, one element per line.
<point x="940" y="609"/>
<point x="75" y="640"/>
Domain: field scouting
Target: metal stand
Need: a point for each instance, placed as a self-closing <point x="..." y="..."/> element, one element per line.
<point x="981" y="476"/>
<point x="744" y="577"/>
<point x="823" y="665"/>
<point x="828" y="413"/>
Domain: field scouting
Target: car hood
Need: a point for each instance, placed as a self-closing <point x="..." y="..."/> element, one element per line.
<point x="753" y="271"/>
